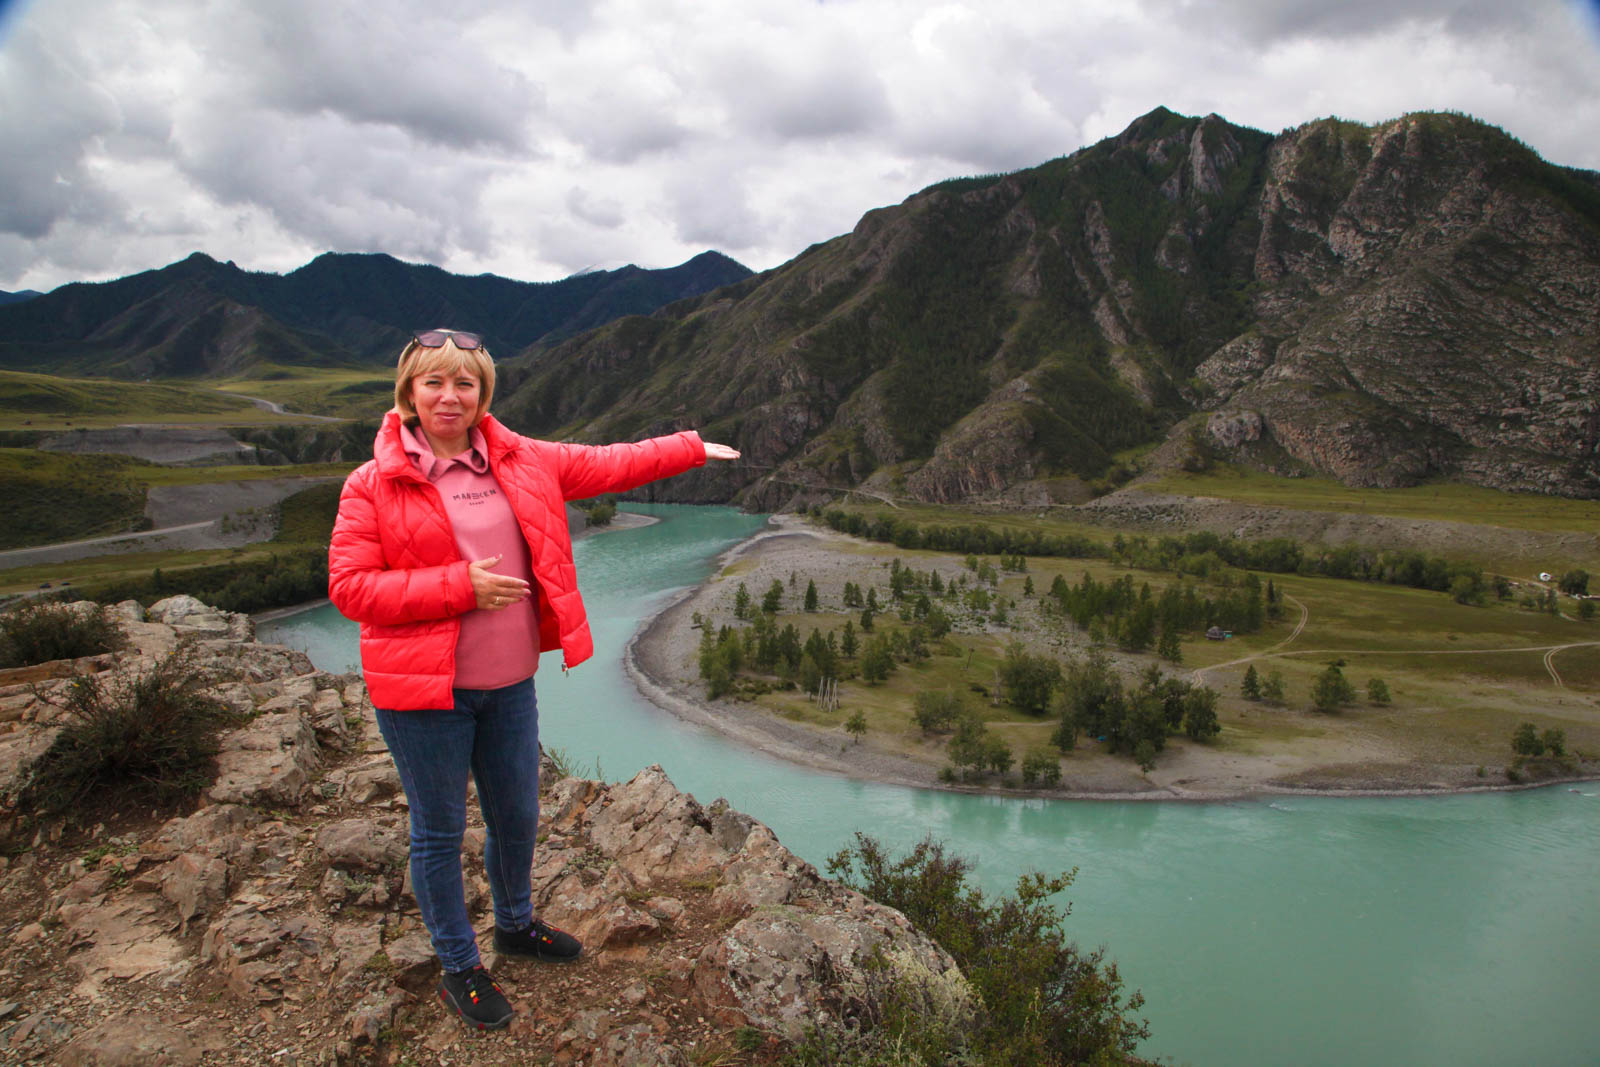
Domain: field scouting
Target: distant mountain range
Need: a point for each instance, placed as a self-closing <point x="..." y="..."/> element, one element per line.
<point x="200" y="317"/>
<point x="17" y="297"/>
<point x="1385" y="304"/>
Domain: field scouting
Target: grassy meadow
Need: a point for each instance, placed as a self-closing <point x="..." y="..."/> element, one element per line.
<point x="1442" y="502"/>
<point x="44" y="402"/>
<point x="343" y="392"/>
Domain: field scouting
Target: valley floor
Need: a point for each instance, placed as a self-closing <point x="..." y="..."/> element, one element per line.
<point x="1263" y="750"/>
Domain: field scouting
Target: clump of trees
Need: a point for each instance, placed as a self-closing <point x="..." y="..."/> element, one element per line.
<point x="1132" y="720"/>
<point x="1527" y="740"/>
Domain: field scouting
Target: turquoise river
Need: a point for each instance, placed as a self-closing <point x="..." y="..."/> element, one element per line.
<point x="1301" y="930"/>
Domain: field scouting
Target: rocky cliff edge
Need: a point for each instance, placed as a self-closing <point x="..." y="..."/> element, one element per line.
<point x="274" y="922"/>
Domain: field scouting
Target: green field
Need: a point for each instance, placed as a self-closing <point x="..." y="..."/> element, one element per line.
<point x="1444" y="501"/>
<point x="342" y="392"/>
<point x="46" y="402"/>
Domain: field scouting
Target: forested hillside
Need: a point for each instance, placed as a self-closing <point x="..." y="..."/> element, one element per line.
<point x="1387" y="303"/>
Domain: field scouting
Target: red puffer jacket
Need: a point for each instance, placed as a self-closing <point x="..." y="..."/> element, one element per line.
<point x="393" y="565"/>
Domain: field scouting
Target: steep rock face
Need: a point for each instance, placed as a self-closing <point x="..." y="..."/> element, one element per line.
<point x="278" y="919"/>
<point x="1456" y="321"/>
<point x="1396" y="302"/>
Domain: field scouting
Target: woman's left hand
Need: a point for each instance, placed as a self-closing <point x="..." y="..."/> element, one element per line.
<point x="716" y="451"/>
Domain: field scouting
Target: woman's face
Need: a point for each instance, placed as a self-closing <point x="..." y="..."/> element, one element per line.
<point x="447" y="405"/>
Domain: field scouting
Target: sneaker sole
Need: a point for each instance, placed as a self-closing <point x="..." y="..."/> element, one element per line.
<point x="450" y="1002"/>
<point x="537" y="955"/>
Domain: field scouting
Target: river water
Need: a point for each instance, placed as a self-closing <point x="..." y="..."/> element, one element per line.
<point x="1440" y="930"/>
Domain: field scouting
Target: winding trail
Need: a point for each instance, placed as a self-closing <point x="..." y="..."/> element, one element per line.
<point x="1279" y="650"/>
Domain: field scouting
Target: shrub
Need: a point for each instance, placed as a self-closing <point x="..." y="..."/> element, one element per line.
<point x="937" y="710"/>
<point x="1525" y="740"/>
<point x="1041" y="764"/>
<point x="1044" y="1001"/>
<point x="38" y="633"/>
<point x="145" y="736"/>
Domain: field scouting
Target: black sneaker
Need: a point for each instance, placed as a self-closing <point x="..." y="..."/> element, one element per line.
<point x="541" y="941"/>
<point x="476" y="998"/>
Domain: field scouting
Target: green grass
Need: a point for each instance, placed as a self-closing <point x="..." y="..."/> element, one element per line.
<point x="53" y="497"/>
<point x="156" y="474"/>
<point x="48" y="402"/>
<point x="1447" y="502"/>
<point x="339" y="391"/>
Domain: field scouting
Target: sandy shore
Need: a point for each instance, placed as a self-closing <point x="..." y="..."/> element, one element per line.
<point x="661" y="659"/>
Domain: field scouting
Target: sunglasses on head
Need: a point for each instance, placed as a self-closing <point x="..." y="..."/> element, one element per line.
<point x="437" y="338"/>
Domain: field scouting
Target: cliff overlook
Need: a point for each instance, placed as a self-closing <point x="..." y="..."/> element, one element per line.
<point x="273" y="921"/>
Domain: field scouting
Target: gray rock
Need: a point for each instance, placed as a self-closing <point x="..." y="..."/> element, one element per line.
<point x="270" y="761"/>
<point x="363" y="844"/>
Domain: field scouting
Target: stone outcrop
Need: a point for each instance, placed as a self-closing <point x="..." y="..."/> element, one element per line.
<point x="274" y="922"/>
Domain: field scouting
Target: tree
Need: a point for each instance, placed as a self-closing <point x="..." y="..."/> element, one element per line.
<point x="1029" y="680"/>
<point x="1525" y="740"/>
<point x="1332" y="690"/>
<point x="1250" y="688"/>
<point x="811" y="595"/>
<point x="1168" y="647"/>
<point x="1144" y="754"/>
<point x="1041" y="764"/>
<point x="1464" y="589"/>
<point x="772" y="603"/>
<point x="1272" y="688"/>
<point x="877" y="661"/>
<point x="847" y="639"/>
<point x="1554" y="741"/>
<point x="1200" y="714"/>
<point x="856" y="725"/>
<point x="937" y="710"/>
<point x="968" y="747"/>
<point x="1378" y="691"/>
<point x="1586" y="610"/>
<point x="741" y="602"/>
<point x="1574" y="583"/>
<point x="997" y="754"/>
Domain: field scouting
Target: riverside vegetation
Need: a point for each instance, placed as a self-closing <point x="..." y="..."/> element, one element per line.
<point x="998" y="668"/>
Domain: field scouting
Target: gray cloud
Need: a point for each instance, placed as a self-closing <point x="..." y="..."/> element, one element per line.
<point x="46" y="169"/>
<point x="1271" y="20"/>
<point x="536" y="137"/>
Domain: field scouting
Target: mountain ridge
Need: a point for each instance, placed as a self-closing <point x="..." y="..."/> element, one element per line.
<point x="199" y="316"/>
<point x="1372" y="302"/>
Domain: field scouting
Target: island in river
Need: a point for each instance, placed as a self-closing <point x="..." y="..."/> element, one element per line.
<point x="1448" y="727"/>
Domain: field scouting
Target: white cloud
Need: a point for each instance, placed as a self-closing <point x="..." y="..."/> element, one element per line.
<point x="538" y="137"/>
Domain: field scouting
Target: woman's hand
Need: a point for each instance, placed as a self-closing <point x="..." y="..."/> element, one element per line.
<point x="494" y="591"/>
<point x="716" y="451"/>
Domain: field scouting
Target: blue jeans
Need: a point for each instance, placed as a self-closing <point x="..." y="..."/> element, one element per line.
<point x="494" y="733"/>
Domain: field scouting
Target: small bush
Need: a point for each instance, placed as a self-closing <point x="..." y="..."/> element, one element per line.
<point x="1044" y="1000"/>
<point x="39" y="633"/>
<point x="145" y="736"/>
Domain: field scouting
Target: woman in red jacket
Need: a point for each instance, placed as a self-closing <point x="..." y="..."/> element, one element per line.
<point x="451" y="550"/>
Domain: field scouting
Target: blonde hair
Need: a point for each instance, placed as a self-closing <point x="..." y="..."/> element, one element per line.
<point x="415" y="359"/>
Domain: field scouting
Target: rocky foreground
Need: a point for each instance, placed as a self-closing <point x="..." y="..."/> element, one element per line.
<point x="274" y="922"/>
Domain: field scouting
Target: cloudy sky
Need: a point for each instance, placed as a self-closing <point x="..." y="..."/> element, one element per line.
<point x="537" y="138"/>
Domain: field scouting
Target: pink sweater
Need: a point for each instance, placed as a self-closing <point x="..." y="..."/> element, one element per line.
<point x="496" y="648"/>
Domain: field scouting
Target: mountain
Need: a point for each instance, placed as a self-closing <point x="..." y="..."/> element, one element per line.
<point x="199" y="317"/>
<point x="17" y="297"/>
<point x="1388" y="303"/>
